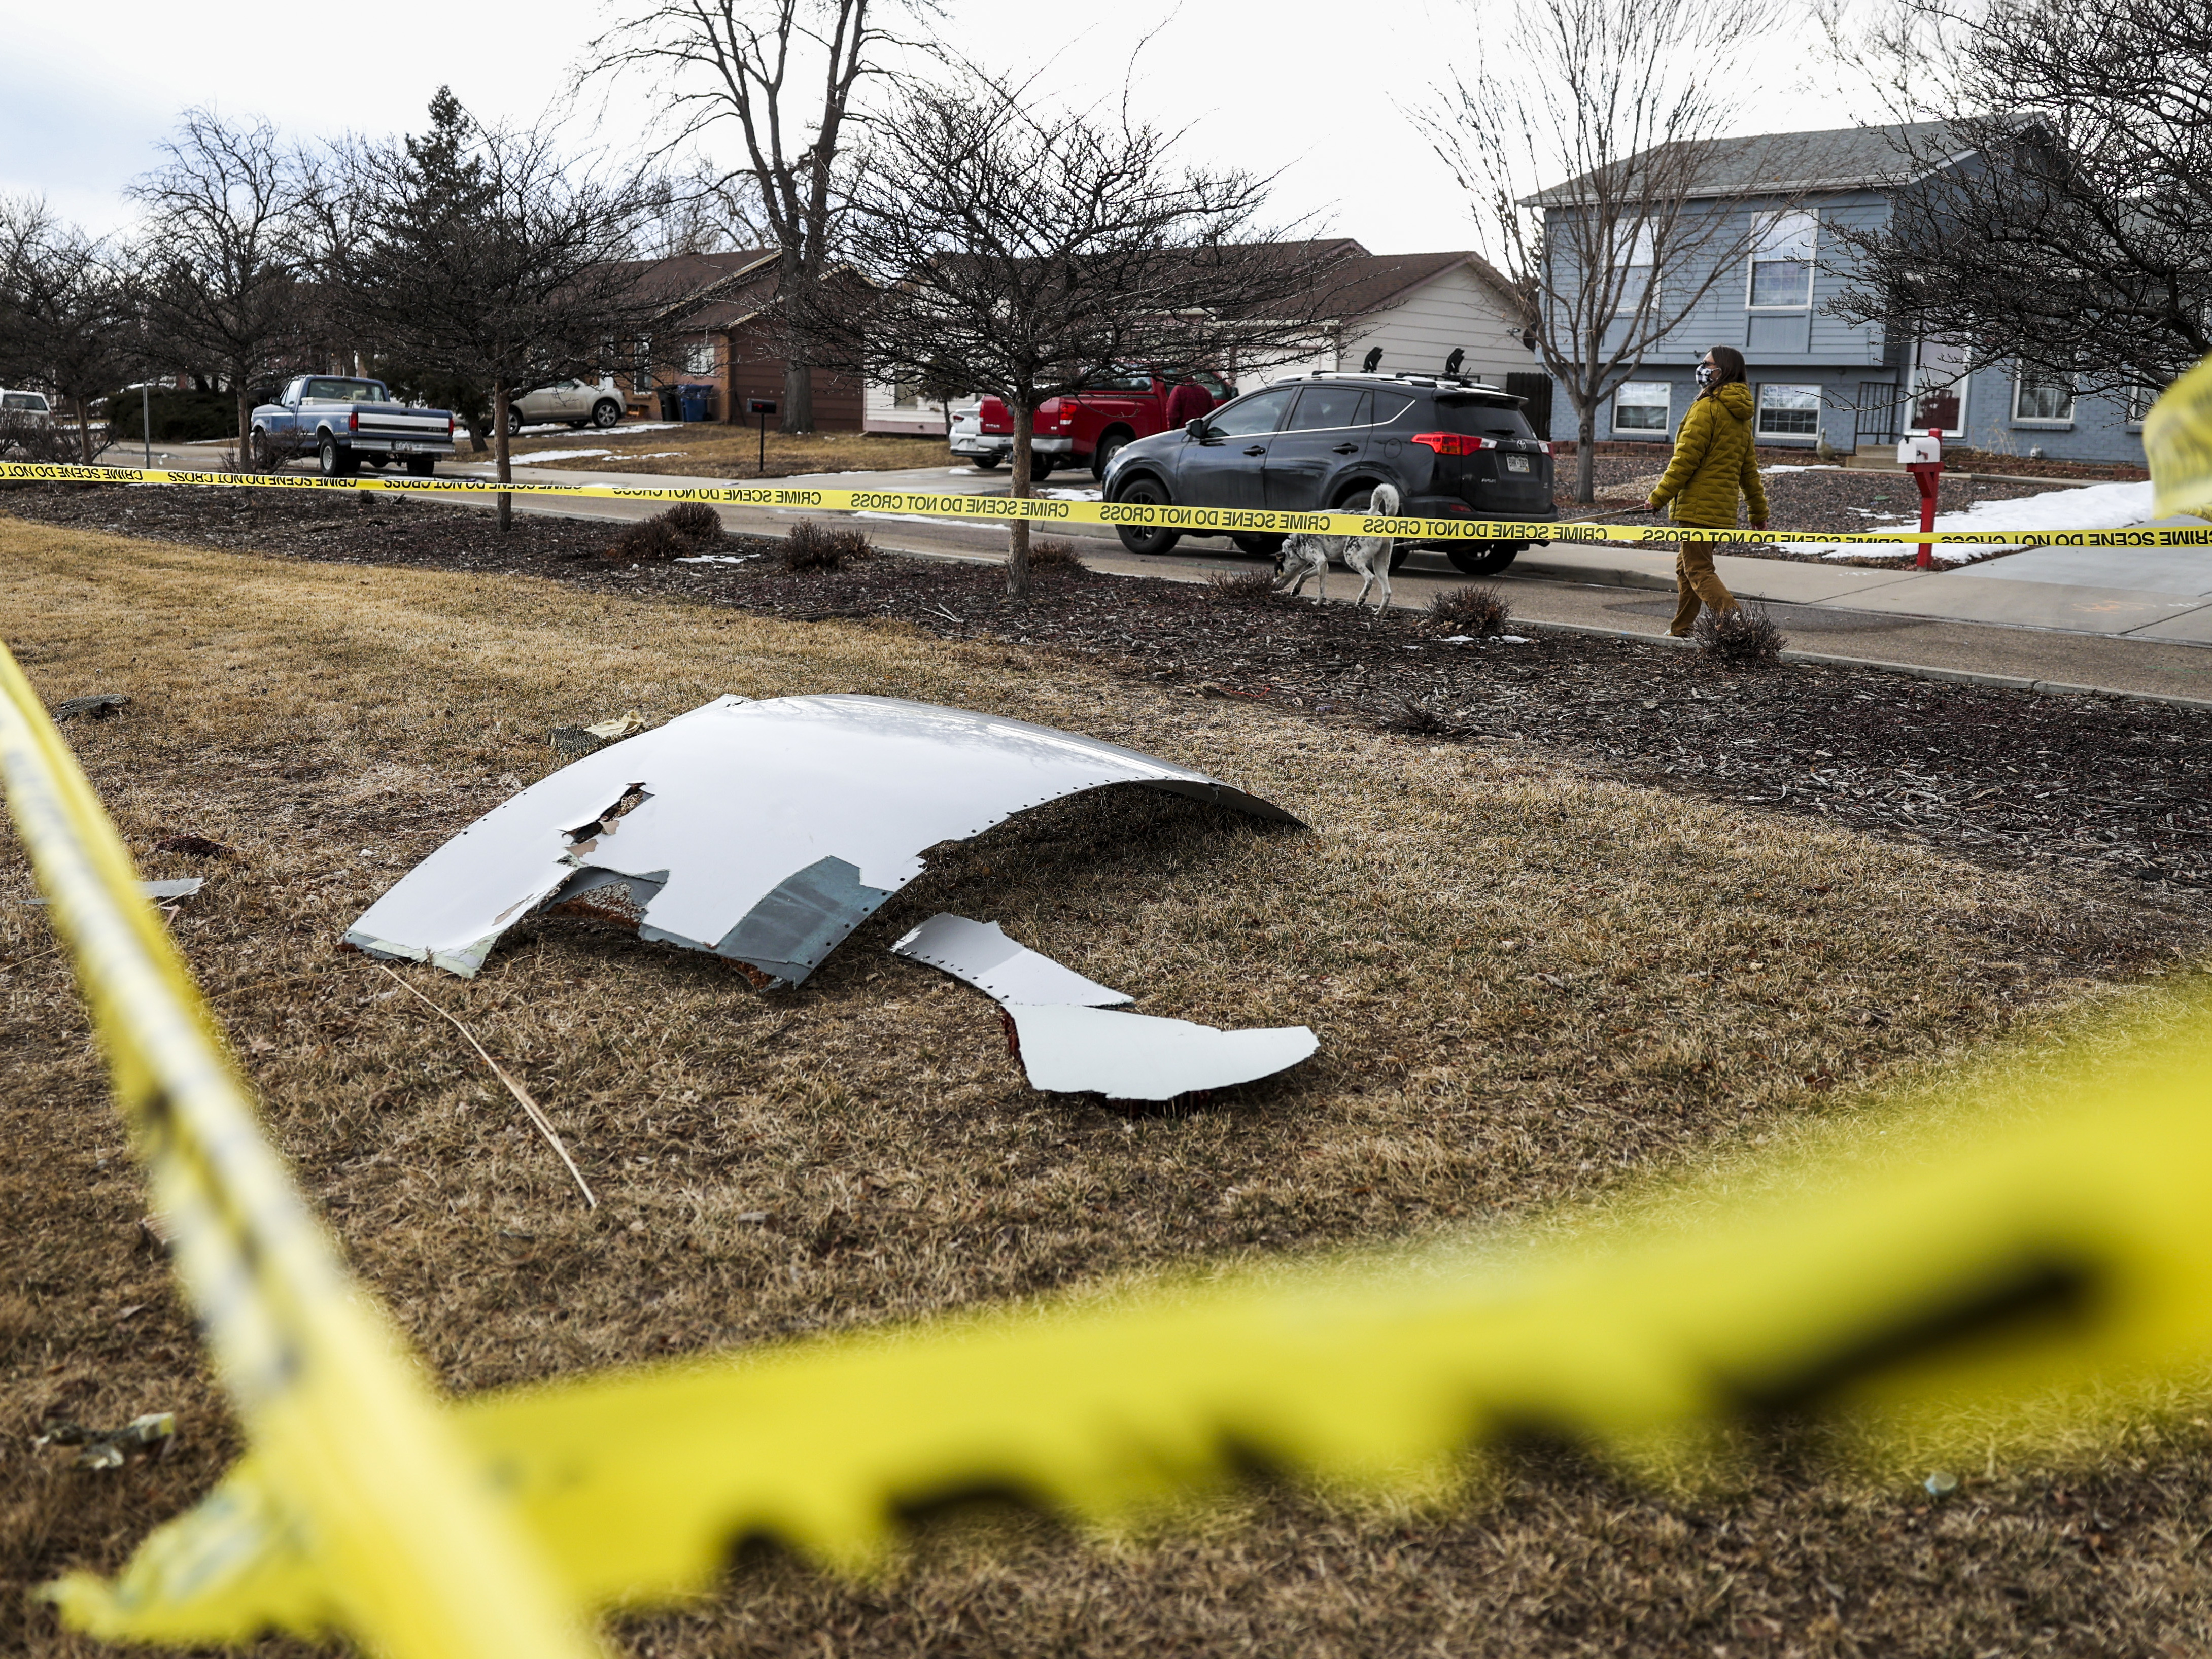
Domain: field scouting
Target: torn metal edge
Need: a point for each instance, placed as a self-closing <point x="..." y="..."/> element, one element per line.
<point x="980" y="954"/>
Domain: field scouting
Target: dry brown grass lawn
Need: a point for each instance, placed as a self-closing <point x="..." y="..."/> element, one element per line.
<point x="1531" y="987"/>
<point x="711" y="449"/>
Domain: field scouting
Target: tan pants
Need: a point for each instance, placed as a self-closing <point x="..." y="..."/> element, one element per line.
<point x="1696" y="582"/>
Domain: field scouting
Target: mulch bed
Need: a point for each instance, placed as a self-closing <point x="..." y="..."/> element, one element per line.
<point x="2103" y="789"/>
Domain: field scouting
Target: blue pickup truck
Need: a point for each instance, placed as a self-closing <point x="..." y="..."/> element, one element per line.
<point x="345" y="422"/>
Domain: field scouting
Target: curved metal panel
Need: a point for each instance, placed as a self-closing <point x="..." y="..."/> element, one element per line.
<point x="748" y="809"/>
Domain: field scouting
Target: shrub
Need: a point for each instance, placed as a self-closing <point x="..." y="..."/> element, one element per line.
<point x="813" y="546"/>
<point x="179" y="417"/>
<point x="1480" y="610"/>
<point x="1423" y="719"/>
<point x="1741" y="638"/>
<point x="1055" y="555"/>
<point x="1243" y="587"/>
<point x="695" y="521"/>
<point x="646" y="542"/>
<point x="683" y="528"/>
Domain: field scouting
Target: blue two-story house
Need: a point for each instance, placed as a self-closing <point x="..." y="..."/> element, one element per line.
<point x="1814" y="374"/>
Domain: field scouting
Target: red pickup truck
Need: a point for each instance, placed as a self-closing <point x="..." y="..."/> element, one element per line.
<point x="1085" y="427"/>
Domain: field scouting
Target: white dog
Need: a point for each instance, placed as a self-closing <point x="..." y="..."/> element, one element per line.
<point x="1304" y="556"/>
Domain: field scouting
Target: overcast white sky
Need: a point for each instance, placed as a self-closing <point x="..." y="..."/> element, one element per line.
<point x="1311" y="88"/>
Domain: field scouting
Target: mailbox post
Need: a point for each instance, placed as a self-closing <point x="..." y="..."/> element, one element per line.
<point x="763" y="407"/>
<point x="1923" y="458"/>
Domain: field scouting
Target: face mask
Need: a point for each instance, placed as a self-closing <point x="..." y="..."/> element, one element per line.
<point x="1707" y="374"/>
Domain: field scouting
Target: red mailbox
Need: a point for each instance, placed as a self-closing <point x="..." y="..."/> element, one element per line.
<point x="1923" y="458"/>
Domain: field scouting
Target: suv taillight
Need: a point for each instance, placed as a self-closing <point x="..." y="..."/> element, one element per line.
<point x="1454" y="443"/>
<point x="353" y="420"/>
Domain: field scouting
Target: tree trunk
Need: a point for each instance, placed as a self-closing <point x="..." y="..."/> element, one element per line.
<point x="1018" y="530"/>
<point x="84" y="431"/>
<point x="501" y="448"/>
<point x="798" y="396"/>
<point x="476" y="444"/>
<point x="247" y="460"/>
<point x="1585" y="452"/>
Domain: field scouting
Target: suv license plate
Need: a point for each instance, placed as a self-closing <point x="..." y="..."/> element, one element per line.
<point x="1517" y="463"/>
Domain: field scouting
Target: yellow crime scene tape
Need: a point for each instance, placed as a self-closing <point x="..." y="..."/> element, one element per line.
<point x="368" y="1477"/>
<point x="2063" y="1243"/>
<point x="1054" y="510"/>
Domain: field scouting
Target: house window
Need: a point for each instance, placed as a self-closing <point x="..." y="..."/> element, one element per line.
<point x="2141" y="396"/>
<point x="1788" y="412"/>
<point x="905" y="394"/>
<point x="1782" y="261"/>
<point x="700" y="359"/>
<point x="2040" y="397"/>
<point x="640" y="376"/>
<point x="1637" y="274"/>
<point x="1641" y="406"/>
<point x="1940" y="369"/>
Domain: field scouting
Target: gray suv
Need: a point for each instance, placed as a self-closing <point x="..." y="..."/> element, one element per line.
<point x="1455" y="448"/>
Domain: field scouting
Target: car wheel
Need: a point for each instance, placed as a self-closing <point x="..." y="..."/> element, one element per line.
<point x="1484" y="558"/>
<point x="422" y="466"/>
<point x="513" y="422"/>
<point x="262" y="452"/>
<point x="1399" y="552"/>
<point x="986" y="462"/>
<point x="1040" y="468"/>
<point x="330" y="460"/>
<point x="1102" y="457"/>
<point x="1147" y="492"/>
<point x="605" y="412"/>
<point x="1258" y="546"/>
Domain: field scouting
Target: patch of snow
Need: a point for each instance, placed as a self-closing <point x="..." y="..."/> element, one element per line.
<point x="2093" y="507"/>
<point x="1807" y="466"/>
<point x="716" y="558"/>
<point x="1514" y="639"/>
<point x="1070" y="494"/>
<point x="556" y="455"/>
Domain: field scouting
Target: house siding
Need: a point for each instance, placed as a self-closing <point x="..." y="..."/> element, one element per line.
<point x="1855" y="365"/>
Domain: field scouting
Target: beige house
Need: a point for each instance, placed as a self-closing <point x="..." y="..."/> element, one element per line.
<point x="1414" y="309"/>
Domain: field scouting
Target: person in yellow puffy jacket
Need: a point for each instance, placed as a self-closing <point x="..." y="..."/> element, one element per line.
<point x="1715" y="461"/>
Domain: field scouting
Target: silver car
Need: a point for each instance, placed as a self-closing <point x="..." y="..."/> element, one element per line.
<point x="579" y="403"/>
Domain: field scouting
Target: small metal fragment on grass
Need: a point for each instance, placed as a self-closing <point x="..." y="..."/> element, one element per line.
<point x="99" y="706"/>
<point x="150" y="1434"/>
<point x="980" y="953"/>
<point x="174" y="887"/>
<point x="583" y="740"/>
<point x="1074" y="1050"/>
<point x="1068" y="1044"/>
<point x="530" y="1108"/>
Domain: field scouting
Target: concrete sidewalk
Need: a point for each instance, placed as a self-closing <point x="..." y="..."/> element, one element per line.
<point x="2159" y="593"/>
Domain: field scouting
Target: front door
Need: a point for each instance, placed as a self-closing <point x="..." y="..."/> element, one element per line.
<point x="1225" y="468"/>
<point x="1327" y="432"/>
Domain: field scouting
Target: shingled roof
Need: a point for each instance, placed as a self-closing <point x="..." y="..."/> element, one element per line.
<point x="1787" y="163"/>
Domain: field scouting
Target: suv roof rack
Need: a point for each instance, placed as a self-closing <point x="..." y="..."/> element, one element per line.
<point x="1405" y="376"/>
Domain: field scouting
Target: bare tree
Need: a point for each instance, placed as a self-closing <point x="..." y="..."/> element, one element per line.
<point x="739" y="62"/>
<point x="68" y="312"/>
<point x="2056" y="215"/>
<point x="1624" y="101"/>
<point x="706" y="211"/>
<point x="488" y="256"/>
<point x="222" y="250"/>
<point x="1000" y="250"/>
